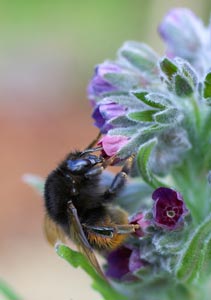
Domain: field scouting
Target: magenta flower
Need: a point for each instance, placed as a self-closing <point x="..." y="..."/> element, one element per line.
<point x="139" y="218"/>
<point x="183" y="33"/>
<point x="106" y="111"/>
<point x="123" y="262"/>
<point x="111" y="144"/>
<point x="99" y="84"/>
<point x="169" y="208"/>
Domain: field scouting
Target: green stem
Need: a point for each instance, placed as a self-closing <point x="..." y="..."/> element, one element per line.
<point x="196" y="111"/>
<point x="8" y="292"/>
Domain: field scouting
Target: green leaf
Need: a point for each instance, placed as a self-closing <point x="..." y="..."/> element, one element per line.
<point x="181" y="86"/>
<point x="77" y="259"/>
<point x="188" y="72"/>
<point x="168" y="116"/>
<point x="207" y="86"/>
<point x="194" y="264"/>
<point x="169" y="243"/>
<point x="143" y="163"/>
<point x="168" y="67"/>
<point x="7" y="292"/>
<point x="140" y="135"/>
<point x="123" y="81"/>
<point x="150" y="99"/>
<point x="140" y="56"/>
<point x="125" y="100"/>
<point x="34" y="181"/>
<point x="142" y="116"/>
<point x="138" y="61"/>
<point x="118" y="121"/>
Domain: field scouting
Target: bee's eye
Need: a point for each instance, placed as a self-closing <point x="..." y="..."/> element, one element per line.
<point x="79" y="166"/>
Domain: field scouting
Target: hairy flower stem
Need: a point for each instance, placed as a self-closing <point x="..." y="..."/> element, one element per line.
<point x="196" y="112"/>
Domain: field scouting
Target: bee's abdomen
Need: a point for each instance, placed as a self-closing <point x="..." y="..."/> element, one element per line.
<point x="56" y="194"/>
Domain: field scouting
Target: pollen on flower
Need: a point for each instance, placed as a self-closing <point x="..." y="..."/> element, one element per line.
<point x="139" y="218"/>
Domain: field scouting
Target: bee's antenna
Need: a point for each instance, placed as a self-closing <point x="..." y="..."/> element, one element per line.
<point x="91" y="145"/>
<point x="87" y="150"/>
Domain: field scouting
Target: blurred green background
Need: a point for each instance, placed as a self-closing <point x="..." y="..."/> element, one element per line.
<point x="48" y="50"/>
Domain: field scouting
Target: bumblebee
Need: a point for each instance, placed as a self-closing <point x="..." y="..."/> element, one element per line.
<point x="80" y="207"/>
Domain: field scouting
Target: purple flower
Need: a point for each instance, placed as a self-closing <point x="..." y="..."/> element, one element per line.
<point x="183" y="33"/>
<point x="99" y="84"/>
<point x="139" y="218"/>
<point x="106" y="111"/>
<point x="111" y="144"/>
<point x="169" y="208"/>
<point x="123" y="262"/>
<point x="135" y="262"/>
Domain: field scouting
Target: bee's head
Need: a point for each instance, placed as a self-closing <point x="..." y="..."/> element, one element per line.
<point x="80" y="163"/>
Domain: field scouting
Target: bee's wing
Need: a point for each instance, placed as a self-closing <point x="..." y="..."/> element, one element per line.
<point x="52" y="231"/>
<point x="81" y="240"/>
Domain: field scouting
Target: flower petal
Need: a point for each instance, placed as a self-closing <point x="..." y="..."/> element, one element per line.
<point x="106" y="111"/>
<point x="98" y="84"/>
<point x="139" y="218"/>
<point x="183" y="33"/>
<point x="113" y="143"/>
<point x="135" y="262"/>
<point x="118" y="262"/>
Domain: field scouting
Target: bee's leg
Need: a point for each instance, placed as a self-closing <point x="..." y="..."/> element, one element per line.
<point x="119" y="180"/>
<point x="107" y="231"/>
<point x="95" y="171"/>
<point x="90" y="150"/>
<point x="126" y="229"/>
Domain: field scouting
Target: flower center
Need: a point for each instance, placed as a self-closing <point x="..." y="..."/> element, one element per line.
<point x="170" y="213"/>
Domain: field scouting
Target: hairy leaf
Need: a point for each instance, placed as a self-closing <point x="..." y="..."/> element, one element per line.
<point x="168" y="67"/>
<point x="142" y="116"/>
<point x="76" y="259"/>
<point x="143" y="163"/>
<point x="34" y="181"/>
<point x="154" y="100"/>
<point x="207" y="86"/>
<point x="195" y="258"/>
<point x="168" y="116"/>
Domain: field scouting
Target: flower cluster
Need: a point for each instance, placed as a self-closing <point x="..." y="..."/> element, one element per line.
<point x="167" y="214"/>
<point x="140" y="96"/>
<point x="159" y="109"/>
